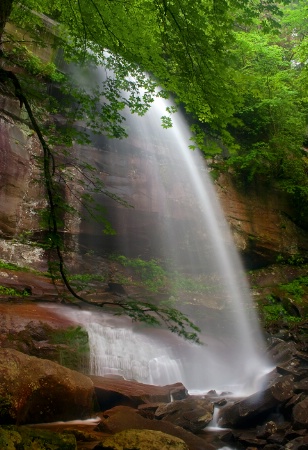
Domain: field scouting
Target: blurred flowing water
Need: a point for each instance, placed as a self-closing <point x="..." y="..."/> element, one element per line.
<point x="189" y="233"/>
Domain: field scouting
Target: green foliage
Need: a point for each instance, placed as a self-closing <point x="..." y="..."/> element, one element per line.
<point x="152" y="275"/>
<point x="184" y="283"/>
<point x="297" y="288"/>
<point x="238" y="85"/>
<point x="293" y="260"/>
<point x="12" y="292"/>
<point x="75" y="346"/>
<point x="270" y="122"/>
<point x="153" y="315"/>
<point x="23" y="57"/>
<point x="274" y="312"/>
<point x="82" y="281"/>
<point x="155" y="278"/>
<point x="10" y="266"/>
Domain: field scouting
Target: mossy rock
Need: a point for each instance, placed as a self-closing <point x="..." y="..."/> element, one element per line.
<point x="143" y="440"/>
<point x="34" y="390"/>
<point x="25" y="438"/>
<point x="9" y="439"/>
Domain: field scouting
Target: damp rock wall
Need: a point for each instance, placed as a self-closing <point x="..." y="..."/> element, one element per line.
<point x="262" y="220"/>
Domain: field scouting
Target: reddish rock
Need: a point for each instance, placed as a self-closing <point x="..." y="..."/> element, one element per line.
<point x="20" y="197"/>
<point x="111" y="392"/>
<point x="193" y="414"/>
<point x="124" y="418"/>
<point x="245" y="210"/>
<point x="16" y="317"/>
<point x="34" y="390"/>
<point x="36" y="286"/>
<point x="242" y="412"/>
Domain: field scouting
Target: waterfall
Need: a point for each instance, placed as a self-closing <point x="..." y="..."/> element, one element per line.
<point x="178" y="219"/>
<point x="134" y="356"/>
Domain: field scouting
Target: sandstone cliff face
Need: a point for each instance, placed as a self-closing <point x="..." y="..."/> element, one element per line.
<point x="20" y="197"/>
<point x="260" y="219"/>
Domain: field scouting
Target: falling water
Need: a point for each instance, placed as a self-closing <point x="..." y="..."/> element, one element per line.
<point x="172" y="184"/>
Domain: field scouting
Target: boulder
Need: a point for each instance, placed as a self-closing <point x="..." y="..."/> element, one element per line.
<point x="143" y="440"/>
<point x="12" y="437"/>
<point x="267" y="430"/>
<point x="300" y="414"/>
<point x="122" y="418"/>
<point x="299" y="443"/>
<point x="193" y="413"/>
<point x="242" y="412"/>
<point x="280" y="351"/>
<point x="301" y="386"/>
<point x="34" y="390"/>
<point x="112" y="392"/>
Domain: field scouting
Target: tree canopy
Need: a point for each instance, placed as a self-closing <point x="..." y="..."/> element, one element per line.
<point x="239" y="67"/>
<point x="185" y="45"/>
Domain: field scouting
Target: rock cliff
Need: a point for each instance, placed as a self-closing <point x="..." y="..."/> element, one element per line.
<point x="261" y="219"/>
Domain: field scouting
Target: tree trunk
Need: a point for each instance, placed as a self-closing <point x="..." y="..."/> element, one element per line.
<point x="5" y="11"/>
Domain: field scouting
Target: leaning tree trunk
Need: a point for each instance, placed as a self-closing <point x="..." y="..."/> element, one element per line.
<point x="5" y="11"/>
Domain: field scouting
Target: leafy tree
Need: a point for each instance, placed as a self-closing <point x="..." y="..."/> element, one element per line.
<point x="270" y="123"/>
<point x="188" y="47"/>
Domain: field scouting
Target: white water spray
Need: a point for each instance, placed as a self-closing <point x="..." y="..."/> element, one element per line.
<point x="171" y="183"/>
<point x="190" y="231"/>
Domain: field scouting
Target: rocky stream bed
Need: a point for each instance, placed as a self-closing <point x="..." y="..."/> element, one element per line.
<point x="44" y="405"/>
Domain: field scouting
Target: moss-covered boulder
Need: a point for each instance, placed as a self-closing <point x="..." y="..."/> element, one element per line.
<point x="23" y="438"/>
<point x="143" y="440"/>
<point x="34" y="390"/>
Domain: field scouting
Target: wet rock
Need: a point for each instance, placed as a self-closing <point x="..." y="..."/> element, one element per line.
<point x="12" y="437"/>
<point x="34" y="390"/>
<point x="244" y="411"/>
<point x="277" y="438"/>
<point x="257" y="238"/>
<point x="272" y="447"/>
<point x="267" y="430"/>
<point x="292" y="367"/>
<point x="227" y="436"/>
<point x="249" y="439"/>
<point x="148" y="410"/>
<point x="117" y="288"/>
<point x="288" y="407"/>
<point x="300" y="414"/>
<point x="293" y="434"/>
<point x="143" y="440"/>
<point x="281" y="351"/>
<point x="301" y="386"/>
<point x="112" y="392"/>
<point x="36" y="286"/>
<point x="192" y="414"/>
<point x="19" y="196"/>
<point x="300" y="443"/>
<point x="124" y="418"/>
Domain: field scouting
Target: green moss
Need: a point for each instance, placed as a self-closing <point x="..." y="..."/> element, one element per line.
<point x="10" y="266"/>
<point x="273" y="312"/>
<point x="11" y="292"/>
<point x="24" y="438"/>
<point x="296" y="288"/>
<point x="10" y="439"/>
